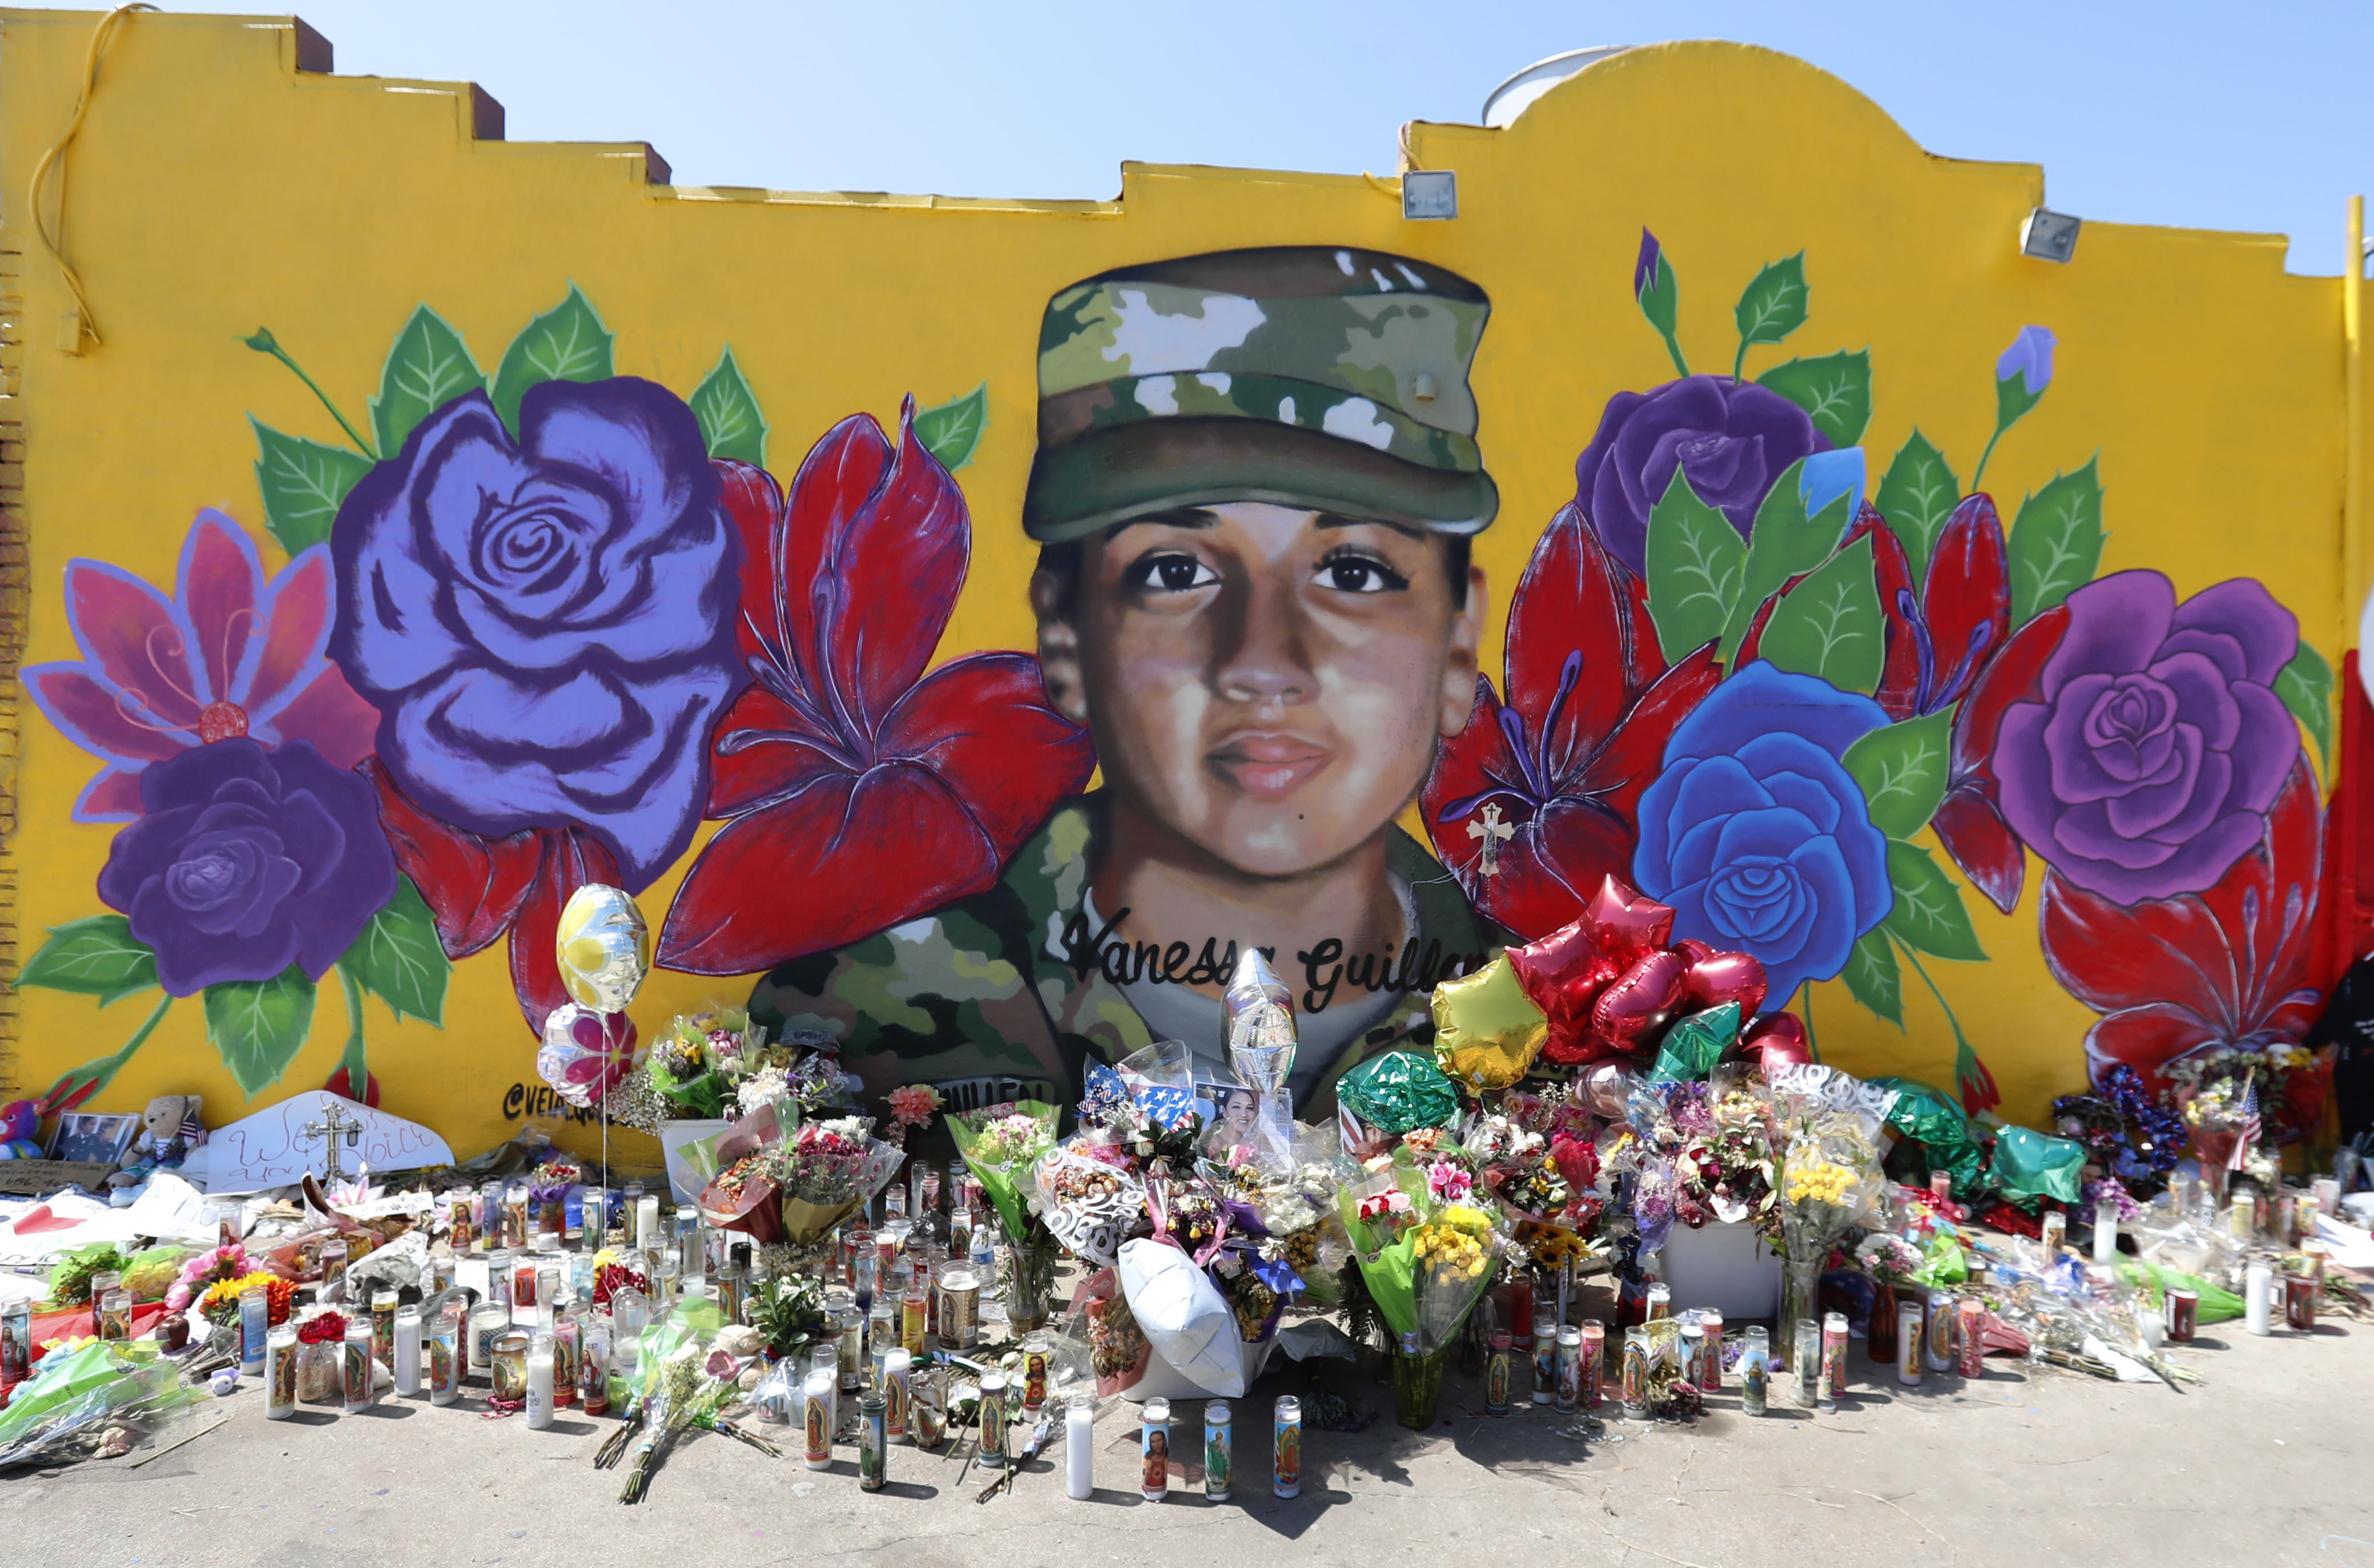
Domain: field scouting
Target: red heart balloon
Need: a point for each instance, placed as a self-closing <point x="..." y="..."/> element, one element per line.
<point x="1775" y="1040"/>
<point x="1630" y="1014"/>
<point x="1563" y="975"/>
<point x="1625" y="926"/>
<point x="1694" y="950"/>
<point x="1718" y="978"/>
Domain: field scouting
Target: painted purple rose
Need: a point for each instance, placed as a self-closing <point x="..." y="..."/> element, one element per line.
<point x="2149" y="766"/>
<point x="245" y="860"/>
<point x="1733" y="439"/>
<point x="547" y="624"/>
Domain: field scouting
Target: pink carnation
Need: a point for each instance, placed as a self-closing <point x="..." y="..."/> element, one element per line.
<point x="913" y="1104"/>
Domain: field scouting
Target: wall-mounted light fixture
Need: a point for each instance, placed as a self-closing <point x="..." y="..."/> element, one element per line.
<point x="1429" y="193"/>
<point x="2048" y="235"/>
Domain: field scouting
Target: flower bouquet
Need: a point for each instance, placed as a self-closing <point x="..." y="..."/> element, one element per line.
<point x="700" y="1058"/>
<point x="208" y="1268"/>
<point x="831" y="1169"/>
<point x="1091" y="1204"/>
<point x="1291" y="1204"/>
<point x="2218" y="1112"/>
<point x="219" y="1303"/>
<point x="745" y="1192"/>
<point x="1830" y="1173"/>
<point x="1003" y="1144"/>
<point x="1425" y="1261"/>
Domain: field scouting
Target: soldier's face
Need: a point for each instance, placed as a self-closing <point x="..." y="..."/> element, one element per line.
<point x="1268" y="682"/>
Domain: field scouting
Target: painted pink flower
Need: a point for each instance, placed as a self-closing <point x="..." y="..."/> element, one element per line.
<point x="228" y="654"/>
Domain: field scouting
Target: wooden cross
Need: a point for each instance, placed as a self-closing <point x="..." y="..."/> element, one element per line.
<point x="334" y="1123"/>
<point x="1494" y="833"/>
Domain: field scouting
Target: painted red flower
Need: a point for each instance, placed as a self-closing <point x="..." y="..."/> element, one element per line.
<point x="860" y="791"/>
<point x="1591" y="704"/>
<point x="2235" y="966"/>
<point x="479" y="888"/>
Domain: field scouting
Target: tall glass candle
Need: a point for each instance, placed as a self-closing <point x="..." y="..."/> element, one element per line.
<point x="1969" y="1339"/>
<point x="1908" y="1343"/>
<point x="593" y="1371"/>
<point x="1497" y="1373"/>
<point x="1633" y="1380"/>
<point x="1034" y="1351"/>
<point x="647" y="1225"/>
<point x="2258" y="1292"/>
<point x="567" y="1336"/>
<point x="1220" y="1450"/>
<point x="873" y="1442"/>
<point x="355" y="1367"/>
<point x="1755" y="1370"/>
<point x="2105" y="1228"/>
<point x="1545" y="1358"/>
<point x="539" y="1383"/>
<point x="254" y="1323"/>
<point x="1153" y="1450"/>
<point x="815" y="1410"/>
<point x="992" y="1420"/>
<point x="508" y="1370"/>
<point x="488" y="1324"/>
<point x="897" y="1391"/>
<point x="116" y="1314"/>
<point x="447" y="1359"/>
<point x="1806" y="1362"/>
<point x="382" y="1311"/>
<point x="1711" y="1360"/>
<point x="408" y="1352"/>
<point x="16" y="1342"/>
<point x="1594" y="1369"/>
<point x="1834" y="1359"/>
<point x="1569" y="1368"/>
<point x="280" y="1373"/>
<point x="1285" y="1447"/>
<point x="1079" y="1454"/>
<point x="1937" y="1348"/>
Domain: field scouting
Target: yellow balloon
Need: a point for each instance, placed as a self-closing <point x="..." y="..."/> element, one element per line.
<point x="1487" y="1031"/>
<point x="603" y="948"/>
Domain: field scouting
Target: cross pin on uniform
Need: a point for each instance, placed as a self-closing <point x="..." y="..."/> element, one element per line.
<point x="334" y="1124"/>
<point x="1494" y="833"/>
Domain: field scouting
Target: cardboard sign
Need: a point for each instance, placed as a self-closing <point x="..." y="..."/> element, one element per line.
<point x="271" y="1148"/>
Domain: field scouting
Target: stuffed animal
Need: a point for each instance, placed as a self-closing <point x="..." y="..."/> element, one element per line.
<point x="169" y="1128"/>
<point x="21" y="1125"/>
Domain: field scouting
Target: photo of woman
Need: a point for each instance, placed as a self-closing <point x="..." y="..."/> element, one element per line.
<point x="1235" y="1114"/>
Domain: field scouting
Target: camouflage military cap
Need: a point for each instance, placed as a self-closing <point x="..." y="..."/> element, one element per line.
<point x="1305" y="375"/>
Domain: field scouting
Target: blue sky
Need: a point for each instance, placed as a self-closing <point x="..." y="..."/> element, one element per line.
<point x="2254" y="117"/>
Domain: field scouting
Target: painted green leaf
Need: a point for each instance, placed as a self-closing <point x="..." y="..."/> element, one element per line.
<point x="1916" y="497"/>
<point x="951" y="431"/>
<point x="303" y="484"/>
<point x="1929" y="916"/>
<point x="2012" y="400"/>
<point x="428" y="367"/>
<point x="1785" y="542"/>
<point x="1773" y="304"/>
<point x="1660" y="297"/>
<point x="1696" y="561"/>
<point x="259" y="1026"/>
<point x="1834" y="391"/>
<point x="1902" y="768"/>
<point x="97" y="955"/>
<point x="1873" y="977"/>
<point x="2305" y="686"/>
<point x="1829" y="625"/>
<point x="2056" y="544"/>
<point x="399" y="959"/>
<point x="731" y="424"/>
<point x="568" y="343"/>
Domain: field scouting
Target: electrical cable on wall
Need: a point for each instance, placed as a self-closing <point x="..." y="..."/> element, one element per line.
<point x="85" y="324"/>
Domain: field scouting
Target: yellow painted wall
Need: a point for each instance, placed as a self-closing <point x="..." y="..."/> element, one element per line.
<point x="214" y="189"/>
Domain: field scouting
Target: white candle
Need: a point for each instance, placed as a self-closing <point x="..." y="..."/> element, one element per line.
<point x="647" y="1225"/>
<point x="2106" y="1231"/>
<point x="1079" y="1445"/>
<point x="408" y="1352"/>
<point x="2258" y="1286"/>
<point x="539" y="1382"/>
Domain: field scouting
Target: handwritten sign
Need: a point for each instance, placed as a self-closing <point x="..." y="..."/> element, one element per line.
<point x="270" y="1149"/>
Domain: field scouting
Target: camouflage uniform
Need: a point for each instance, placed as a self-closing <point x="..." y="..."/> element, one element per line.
<point x="1000" y="997"/>
<point x="1319" y="377"/>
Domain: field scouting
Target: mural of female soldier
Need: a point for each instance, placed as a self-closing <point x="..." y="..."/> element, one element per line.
<point x="1255" y="483"/>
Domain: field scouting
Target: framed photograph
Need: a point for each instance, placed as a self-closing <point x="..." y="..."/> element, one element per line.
<point x="92" y="1138"/>
<point x="1230" y="1113"/>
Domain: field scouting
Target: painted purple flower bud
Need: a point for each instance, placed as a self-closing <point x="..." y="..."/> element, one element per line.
<point x="2029" y="358"/>
<point x="1644" y="271"/>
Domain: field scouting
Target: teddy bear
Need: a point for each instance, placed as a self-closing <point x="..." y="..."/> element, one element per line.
<point x="20" y="1122"/>
<point x="169" y="1128"/>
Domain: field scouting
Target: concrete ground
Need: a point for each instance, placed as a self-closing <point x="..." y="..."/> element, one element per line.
<point x="2266" y="1462"/>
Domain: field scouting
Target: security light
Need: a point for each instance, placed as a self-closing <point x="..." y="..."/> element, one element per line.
<point x="2048" y="235"/>
<point x="1430" y="192"/>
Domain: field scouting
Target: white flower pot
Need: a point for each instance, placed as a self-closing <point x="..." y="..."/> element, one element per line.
<point x="1723" y="1266"/>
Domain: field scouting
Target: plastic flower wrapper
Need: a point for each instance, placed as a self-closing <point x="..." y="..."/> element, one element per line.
<point x="2029" y="1164"/>
<point x="1143" y="1117"/>
<point x="1091" y="1204"/>
<point x="1452" y="1254"/>
<point x="1804" y="1090"/>
<point x="1003" y="1145"/>
<point x="830" y="1170"/>
<point x="98" y="1380"/>
<point x="699" y="1058"/>
<point x="1829" y="1176"/>
<point x="1188" y="1214"/>
<point x="149" y="1275"/>
<point x="1291" y="1204"/>
<point x="1933" y="1119"/>
<point x="745" y="1188"/>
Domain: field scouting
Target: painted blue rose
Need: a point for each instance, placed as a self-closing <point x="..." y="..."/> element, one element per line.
<point x="547" y="624"/>
<point x="1756" y="834"/>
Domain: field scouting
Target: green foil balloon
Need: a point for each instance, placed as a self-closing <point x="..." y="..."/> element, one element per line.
<point x="1398" y="1092"/>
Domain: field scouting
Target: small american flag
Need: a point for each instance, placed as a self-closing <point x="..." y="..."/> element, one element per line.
<point x="2252" y="1125"/>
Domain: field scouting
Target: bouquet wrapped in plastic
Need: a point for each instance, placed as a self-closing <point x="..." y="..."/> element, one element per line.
<point x="1827" y="1124"/>
<point x="1426" y="1247"/>
<point x="1003" y="1145"/>
<point x="1091" y="1204"/>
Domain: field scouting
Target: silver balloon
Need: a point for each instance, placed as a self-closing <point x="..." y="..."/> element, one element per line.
<point x="603" y="948"/>
<point x="1259" y="1011"/>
